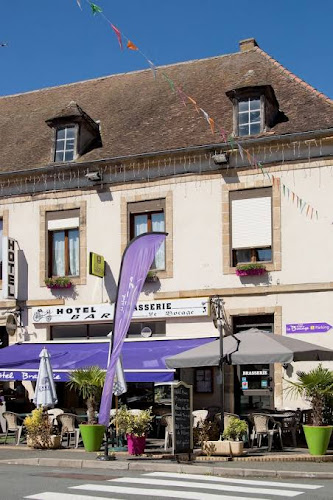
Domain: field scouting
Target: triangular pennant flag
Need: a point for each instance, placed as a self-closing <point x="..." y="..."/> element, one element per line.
<point x="302" y="206"/>
<point x="205" y="115"/>
<point x="152" y="67"/>
<point x="241" y="152"/>
<point x="193" y="102"/>
<point x="182" y="95"/>
<point x="231" y="140"/>
<point x="277" y="181"/>
<point x="307" y="211"/>
<point x="223" y="134"/>
<point x="79" y="3"/>
<point x="317" y="214"/>
<point x="273" y="180"/>
<point x="170" y="82"/>
<point x="311" y="212"/>
<point x="288" y="191"/>
<point x="293" y="195"/>
<point x="131" y="45"/>
<point x="284" y="189"/>
<point x="212" y="125"/>
<point x="95" y="8"/>
<point x="118" y="35"/>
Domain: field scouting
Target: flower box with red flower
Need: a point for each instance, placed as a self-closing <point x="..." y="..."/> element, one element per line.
<point x="252" y="269"/>
<point x="58" y="283"/>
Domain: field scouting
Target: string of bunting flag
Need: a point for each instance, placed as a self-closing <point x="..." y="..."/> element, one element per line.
<point x="228" y="138"/>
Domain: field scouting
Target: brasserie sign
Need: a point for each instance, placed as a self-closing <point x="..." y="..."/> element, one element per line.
<point x="173" y="308"/>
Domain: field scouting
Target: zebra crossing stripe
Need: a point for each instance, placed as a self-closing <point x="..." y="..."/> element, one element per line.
<point x="50" y="495"/>
<point x="158" y="493"/>
<point x="233" y="480"/>
<point x="207" y="486"/>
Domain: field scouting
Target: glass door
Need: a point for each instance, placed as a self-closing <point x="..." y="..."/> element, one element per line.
<point x="254" y="384"/>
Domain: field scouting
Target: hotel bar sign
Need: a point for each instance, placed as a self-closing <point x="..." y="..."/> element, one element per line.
<point x="173" y="308"/>
<point x="9" y="268"/>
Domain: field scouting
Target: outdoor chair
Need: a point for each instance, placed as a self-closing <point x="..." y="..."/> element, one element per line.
<point x="13" y="425"/>
<point x="53" y="414"/>
<point x="167" y="421"/>
<point x="199" y="416"/>
<point x="67" y="422"/>
<point x="291" y="424"/>
<point x="226" y="420"/>
<point x="264" y="425"/>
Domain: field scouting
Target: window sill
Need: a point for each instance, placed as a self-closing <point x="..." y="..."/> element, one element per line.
<point x="270" y="266"/>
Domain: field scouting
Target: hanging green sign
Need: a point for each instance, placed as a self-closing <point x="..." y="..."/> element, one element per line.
<point x="96" y="265"/>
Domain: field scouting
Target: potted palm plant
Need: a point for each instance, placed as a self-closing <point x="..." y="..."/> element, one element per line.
<point x="88" y="382"/>
<point x="315" y="386"/>
<point x="135" y="425"/>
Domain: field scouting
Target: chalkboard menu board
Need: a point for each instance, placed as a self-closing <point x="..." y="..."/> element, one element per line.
<point x="182" y="418"/>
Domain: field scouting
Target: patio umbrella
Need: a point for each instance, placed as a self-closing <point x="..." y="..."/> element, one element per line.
<point x="251" y="347"/>
<point x="45" y="393"/>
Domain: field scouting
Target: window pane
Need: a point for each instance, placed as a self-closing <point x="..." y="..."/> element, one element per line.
<point x="158" y="225"/>
<point x="70" y="133"/>
<point x="140" y="224"/>
<point x="243" y="256"/>
<point x="74" y="252"/>
<point x="60" y="146"/>
<point x="243" y="105"/>
<point x="255" y="128"/>
<point x="255" y="116"/>
<point x="157" y="221"/>
<point x="243" y="130"/>
<point x="255" y="104"/>
<point x="58" y="253"/>
<point x="243" y="118"/>
<point x="69" y="155"/>
<point x="59" y="156"/>
<point x="61" y="133"/>
<point x="70" y="144"/>
<point x="264" y="254"/>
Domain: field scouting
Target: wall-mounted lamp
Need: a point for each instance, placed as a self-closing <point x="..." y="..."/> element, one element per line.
<point x="220" y="158"/>
<point x="285" y="365"/>
<point x="94" y="176"/>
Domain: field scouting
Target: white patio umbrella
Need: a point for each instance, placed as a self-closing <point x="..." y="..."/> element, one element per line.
<point x="45" y="392"/>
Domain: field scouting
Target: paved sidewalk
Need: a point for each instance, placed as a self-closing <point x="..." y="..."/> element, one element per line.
<point x="277" y="466"/>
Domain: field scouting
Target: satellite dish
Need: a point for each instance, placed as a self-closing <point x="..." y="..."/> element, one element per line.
<point x="146" y="332"/>
<point x="11" y="324"/>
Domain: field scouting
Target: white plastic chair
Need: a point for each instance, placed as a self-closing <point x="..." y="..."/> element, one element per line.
<point x="167" y="421"/>
<point x="199" y="416"/>
<point x="13" y="426"/>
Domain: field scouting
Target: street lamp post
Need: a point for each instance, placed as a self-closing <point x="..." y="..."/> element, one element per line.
<point x="217" y="302"/>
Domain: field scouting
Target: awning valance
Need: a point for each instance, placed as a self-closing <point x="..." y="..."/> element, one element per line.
<point x="143" y="361"/>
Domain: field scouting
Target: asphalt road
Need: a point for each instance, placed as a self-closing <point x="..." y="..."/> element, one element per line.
<point x="44" y="483"/>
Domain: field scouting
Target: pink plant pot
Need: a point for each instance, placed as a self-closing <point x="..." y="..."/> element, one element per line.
<point x="136" y="444"/>
<point x="250" y="272"/>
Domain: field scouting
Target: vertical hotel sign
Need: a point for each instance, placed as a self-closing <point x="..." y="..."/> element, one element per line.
<point x="9" y="268"/>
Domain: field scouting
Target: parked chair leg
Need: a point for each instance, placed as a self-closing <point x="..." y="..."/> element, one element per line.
<point x="6" y="437"/>
<point x="166" y="441"/>
<point x="294" y="437"/>
<point x="259" y="438"/>
<point x="18" y="435"/>
<point x="270" y="442"/>
<point x="77" y="435"/>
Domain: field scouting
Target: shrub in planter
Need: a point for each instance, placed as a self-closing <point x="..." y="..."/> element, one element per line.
<point x="135" y="427"/>
<point x="251" y="269"/>
<point x="60" y="282"/>
<point x="316" y="387"/>
<point x="40" y="431"/>
<point x="232" y="436"/>
<point x="88" y="382"/>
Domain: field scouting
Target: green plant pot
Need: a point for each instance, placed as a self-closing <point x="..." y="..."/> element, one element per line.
<point x="317" y="438"/>
<point x="92" y="436"/>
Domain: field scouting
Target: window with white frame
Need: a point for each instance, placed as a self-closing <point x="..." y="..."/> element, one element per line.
<point x="146" y="217"/>
<point x="251" y="225"/>
<point x="65" y="144"/>
<point x="63" y="243"/>
<point x="249" y="116"/>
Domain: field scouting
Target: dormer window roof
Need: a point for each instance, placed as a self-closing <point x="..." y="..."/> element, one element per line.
<point x="256" y="110"/>
<point x="76" y="133"/>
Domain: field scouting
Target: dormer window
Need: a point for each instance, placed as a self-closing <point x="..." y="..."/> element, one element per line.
<point x="255" y="110"/>
<point x="65" y="144"/>
<point x="249" y="116"/>
<point x="76" y="133"/>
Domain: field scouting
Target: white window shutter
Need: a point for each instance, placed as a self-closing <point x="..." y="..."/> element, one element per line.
<point x="58" y="224"/>
<point x="251" y="223"/>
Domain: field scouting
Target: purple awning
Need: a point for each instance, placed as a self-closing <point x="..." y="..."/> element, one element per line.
<point x="144" y="361"/>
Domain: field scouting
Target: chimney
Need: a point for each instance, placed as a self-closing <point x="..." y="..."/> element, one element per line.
<point x="247" y="44"/>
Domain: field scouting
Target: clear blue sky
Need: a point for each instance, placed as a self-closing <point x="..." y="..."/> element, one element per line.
<point x="51" y="42"/>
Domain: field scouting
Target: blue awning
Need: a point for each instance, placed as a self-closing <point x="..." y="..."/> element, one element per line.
<point x="143" y="361"/>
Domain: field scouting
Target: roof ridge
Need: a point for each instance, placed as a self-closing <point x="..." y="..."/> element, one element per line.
<point x="294" y="77"/>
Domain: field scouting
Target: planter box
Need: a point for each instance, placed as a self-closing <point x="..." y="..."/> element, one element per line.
<point x="251" y="272"/>
<point x="55" y="442"/>
<point x="57" y="286"/>
<point x="234" y="448"/>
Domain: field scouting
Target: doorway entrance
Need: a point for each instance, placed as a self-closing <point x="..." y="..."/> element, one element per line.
<point x="254" y="384"/>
